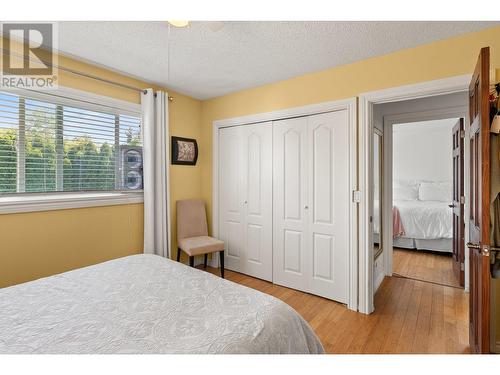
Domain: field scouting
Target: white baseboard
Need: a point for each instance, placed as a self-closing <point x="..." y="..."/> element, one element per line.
<point x="379" y="271"/>
<point x="378" y="281"/>
<point x="198" y="260"/>
<point x="214" y="262"/>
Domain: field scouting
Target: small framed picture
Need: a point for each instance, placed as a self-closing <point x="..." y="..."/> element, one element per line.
<point x="184" y="151"/>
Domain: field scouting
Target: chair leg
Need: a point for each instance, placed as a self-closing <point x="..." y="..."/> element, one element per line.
<point x="205" y="261"/>
<point x="191" y="261"/>
<point x="221" y="257"/>
<point x="178" y="254"/>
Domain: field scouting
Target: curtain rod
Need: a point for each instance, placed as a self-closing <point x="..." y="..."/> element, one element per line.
<point x="78" y="73"/>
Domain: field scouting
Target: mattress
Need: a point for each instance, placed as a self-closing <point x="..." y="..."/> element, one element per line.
<point x="428" y="225"/>
<point x="428" y="220"/>
<point x="147" y="304"/>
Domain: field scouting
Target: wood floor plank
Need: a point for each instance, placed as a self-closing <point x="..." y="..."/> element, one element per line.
<point x="405" y="342"/>
<point x="379" y="333"/>
<point x="360" y="340"/>
<point x="398" y="318"/>
<point x="422" y="328"/>
<point x="425" y="265"/>
<point x="410" y="316"/>
<point x="450" y="322"/>
<point x="436" y="332"/>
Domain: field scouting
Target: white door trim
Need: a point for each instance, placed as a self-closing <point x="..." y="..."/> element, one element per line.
<point x="366" y="102"/>
<point x="346" y="104"/>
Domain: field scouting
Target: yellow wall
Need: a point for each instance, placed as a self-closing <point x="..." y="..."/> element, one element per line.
<point x="184" y="120"/>
<point x="441" y="59"/>
<point x="39" y="244"/>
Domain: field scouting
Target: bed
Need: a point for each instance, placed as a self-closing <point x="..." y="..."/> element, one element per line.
<point x="425" y="217"/>
<point x="147" y="304"/>
<point x="427" y="225"/>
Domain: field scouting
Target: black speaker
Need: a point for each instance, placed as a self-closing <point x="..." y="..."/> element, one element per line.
<point x="131" y="167"/>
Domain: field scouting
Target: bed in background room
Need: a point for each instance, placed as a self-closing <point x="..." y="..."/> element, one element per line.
<point x="147" y="304"/>
<point x="425" y="215"/>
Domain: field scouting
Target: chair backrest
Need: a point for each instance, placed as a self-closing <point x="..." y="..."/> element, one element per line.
<point x="191" y="219"/>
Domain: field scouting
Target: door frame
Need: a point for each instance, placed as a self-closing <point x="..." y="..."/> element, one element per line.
<point x="313" y="109"/>
<point x="366" y="102"/>
<point x="389" y="121"/>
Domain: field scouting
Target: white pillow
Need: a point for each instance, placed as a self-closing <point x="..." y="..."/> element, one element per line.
<point x="435" y="191"/>
<point x="404" y="192"/>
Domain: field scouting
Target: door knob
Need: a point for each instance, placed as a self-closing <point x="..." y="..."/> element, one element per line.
<point x="245" y="202"/>
<point x="451" y="205"/>
<point x="473" y="246"/>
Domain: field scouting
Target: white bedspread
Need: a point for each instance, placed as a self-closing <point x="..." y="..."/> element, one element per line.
<point x="147" y="304"/>
<point x="426" y="219"/>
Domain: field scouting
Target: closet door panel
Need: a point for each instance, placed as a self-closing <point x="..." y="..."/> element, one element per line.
<point x="257" y="180"/>
<point x="322" y="170"/>
<point x="289" y="202"/>
<point x="328" y="236"/>
<point x="231" y="207"/>
<point x="323" y="256"/>
<point x="293" y="251"/>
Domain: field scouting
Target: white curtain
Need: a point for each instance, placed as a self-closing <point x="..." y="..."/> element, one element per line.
<point x="155" y="165"/>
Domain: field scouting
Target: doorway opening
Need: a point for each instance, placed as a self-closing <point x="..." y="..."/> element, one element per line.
<point x="419" y="164"/>
<point x="427" y="208"/>
<point x="418" y="168"/>
<point x="475" y="96"/>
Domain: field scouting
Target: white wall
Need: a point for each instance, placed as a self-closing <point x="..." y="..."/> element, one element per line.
<point x="423" y="150"/>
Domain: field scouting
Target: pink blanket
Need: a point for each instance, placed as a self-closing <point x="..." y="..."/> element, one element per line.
<point x="397" y="225"/>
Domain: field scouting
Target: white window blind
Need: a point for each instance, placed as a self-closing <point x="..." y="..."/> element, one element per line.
<point x="52" y="146"/>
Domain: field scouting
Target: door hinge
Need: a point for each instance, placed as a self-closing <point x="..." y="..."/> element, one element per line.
<point x="462" y="133"/>
<point x="356" y="196"/>
<point x="462" y="267"/>
<point x="462" y="200"/>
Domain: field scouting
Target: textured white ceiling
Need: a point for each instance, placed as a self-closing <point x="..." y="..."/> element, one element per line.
<point x="207" y="61"/>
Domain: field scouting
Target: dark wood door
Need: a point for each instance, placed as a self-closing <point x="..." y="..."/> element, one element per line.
<point x="457" y="205"/>
<point x="479" y="222"/>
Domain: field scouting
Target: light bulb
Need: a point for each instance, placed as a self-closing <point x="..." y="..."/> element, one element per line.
<point x="179" y="23"/>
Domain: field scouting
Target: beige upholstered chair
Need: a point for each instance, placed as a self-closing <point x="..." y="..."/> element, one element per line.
<point x="192" y="233"/>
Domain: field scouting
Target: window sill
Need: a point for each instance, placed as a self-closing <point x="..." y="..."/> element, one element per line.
<point x="63" y="201"/>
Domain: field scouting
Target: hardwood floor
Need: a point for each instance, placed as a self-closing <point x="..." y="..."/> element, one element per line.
<point x="410" y="317"/>
<point x="425" y="265"/>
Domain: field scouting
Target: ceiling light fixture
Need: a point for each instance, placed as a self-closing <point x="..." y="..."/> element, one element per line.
<point x="179" y="23"/>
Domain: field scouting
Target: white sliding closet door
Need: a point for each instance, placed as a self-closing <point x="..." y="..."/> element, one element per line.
<point x="311" y="204"/>
<point x="329" y="200"/>
<point x="290" y="203"/>
<point x="258" y="193"/>
<point x="231" y="209"/>
<point x="246" y="198"/>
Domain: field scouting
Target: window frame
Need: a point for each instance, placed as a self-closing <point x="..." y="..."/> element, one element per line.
<point x="31" y="202"/>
